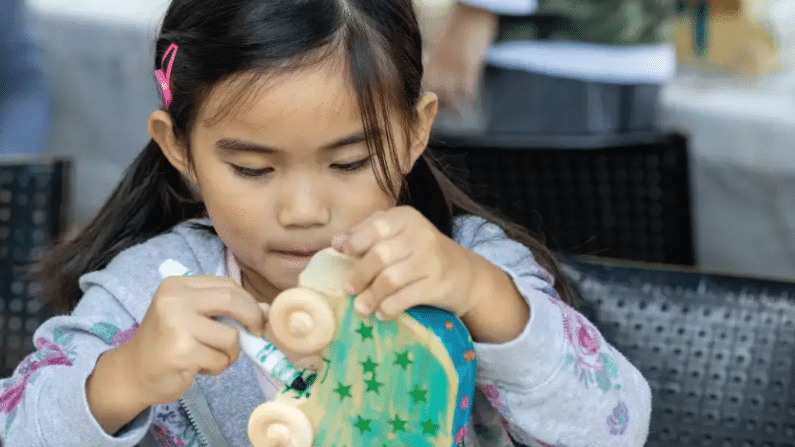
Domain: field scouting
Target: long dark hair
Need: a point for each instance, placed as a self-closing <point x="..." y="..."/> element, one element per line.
<point x="380" y="42"/>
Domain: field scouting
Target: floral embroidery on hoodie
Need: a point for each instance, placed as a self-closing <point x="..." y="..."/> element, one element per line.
<point x="617" y="422"/>
<point x="58" y="352"/>
<point x="165" y="437"/>
<point x="588" y="362"/>
<point x="493" y="395"/>
<point x="172" y="427"/>
<point x="544" y="444"/>
<point x="112" y="334"/>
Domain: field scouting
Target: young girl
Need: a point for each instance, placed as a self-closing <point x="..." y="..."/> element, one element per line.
<point x="290" y="126"/>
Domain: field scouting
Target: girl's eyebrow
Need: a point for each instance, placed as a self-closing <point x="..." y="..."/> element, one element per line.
<point x="237" y="145"/>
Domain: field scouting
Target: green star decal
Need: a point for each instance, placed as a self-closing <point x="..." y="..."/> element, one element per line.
<point x="372" y="385"/>
<point x="365" y="331"/>
<point x="369" y="365"/>
<point x="343" y="391"/>
<point x="403" y="359"/>
<point x="429" y="427"/>
<point x="418" y="394"/>
<point x="398" y="424"/>
<point x="362" y="424"/>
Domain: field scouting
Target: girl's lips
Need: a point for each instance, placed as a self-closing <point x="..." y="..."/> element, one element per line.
<point x="295" y="254"/>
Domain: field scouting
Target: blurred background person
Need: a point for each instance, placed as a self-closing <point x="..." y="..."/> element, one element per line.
<point x="566" y="44"/>
<point x="24" y="93"/>
<point x="455" y="63"/>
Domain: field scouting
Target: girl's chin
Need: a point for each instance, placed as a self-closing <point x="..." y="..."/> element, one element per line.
<point x="275" y="278"/>
<point x="283" y="278"/>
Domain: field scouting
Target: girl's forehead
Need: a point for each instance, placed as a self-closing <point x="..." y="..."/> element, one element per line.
<point x="258" y="100"/>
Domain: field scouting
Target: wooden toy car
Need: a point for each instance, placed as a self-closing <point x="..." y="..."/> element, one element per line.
<point x="394" y="383"/>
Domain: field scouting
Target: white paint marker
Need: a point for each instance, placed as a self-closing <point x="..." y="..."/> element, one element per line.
<point x="262" y="352"/>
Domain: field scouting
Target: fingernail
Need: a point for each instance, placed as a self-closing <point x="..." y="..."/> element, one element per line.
<point x="348" y="288"/>
<point x="361" y="307"/>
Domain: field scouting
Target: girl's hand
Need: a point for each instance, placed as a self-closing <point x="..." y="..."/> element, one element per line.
<point x="404" y="262"/>
<point x="178" y="338"/>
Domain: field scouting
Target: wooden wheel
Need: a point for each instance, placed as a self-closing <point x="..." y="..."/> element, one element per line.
<point x="302" y="320"/>
<point x="275" y="424"/>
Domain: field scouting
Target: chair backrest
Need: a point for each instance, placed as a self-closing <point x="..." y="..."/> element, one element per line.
<point x="626" y="198"/>
<point x="717" y="351"/>
<point x="33" y="212"/>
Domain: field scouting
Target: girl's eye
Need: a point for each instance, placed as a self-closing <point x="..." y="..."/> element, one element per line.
<point x="254" y="173"/>
<point x="249" y="172"/>
<point x="355" y="166"/>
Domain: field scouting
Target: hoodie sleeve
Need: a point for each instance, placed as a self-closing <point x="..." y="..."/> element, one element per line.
<point x="504" y="7"/>
<point x="44" y="403"/>
<point x="559" y="383"/>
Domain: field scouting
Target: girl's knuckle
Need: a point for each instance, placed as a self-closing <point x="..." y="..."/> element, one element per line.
<point x="393" y="277"/>
<point x="381" y="228"/>
<point x="182" y="347"/>
<point x="429" y="236"/>
<point x="384" y="253"/>
<point x="225" y="298"/>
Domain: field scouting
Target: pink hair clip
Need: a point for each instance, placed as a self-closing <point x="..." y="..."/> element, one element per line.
<point x="164" y="79"/>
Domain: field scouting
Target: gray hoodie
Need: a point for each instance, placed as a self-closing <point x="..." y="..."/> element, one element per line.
<point x="557" y="384"/>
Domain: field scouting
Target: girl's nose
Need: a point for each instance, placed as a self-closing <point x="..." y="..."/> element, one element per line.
<point x="302" y="205"/>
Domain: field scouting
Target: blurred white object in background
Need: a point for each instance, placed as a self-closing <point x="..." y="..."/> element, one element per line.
<point x="122" y="12"/>
<point x="99" y="57"/>
<point x="780" y="16"/>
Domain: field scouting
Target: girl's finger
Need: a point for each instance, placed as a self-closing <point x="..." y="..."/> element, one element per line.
<point x="381" y="256"/>
<point x="388" y="282"/>
<point x="407" y="297"/>
<point x="221" y="296"/>
<point x="233" y="302"/>
<point x="217" y="335"/>
<point x="373" y="230"/>
<point x="212" y="361"/>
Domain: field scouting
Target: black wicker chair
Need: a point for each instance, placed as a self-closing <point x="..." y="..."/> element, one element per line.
<point x="618" y="196"/>
<point x="33" y="212"/>
<point x="718" y="351"/>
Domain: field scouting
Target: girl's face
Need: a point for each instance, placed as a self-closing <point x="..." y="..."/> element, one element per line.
<point x="286" y="172"/>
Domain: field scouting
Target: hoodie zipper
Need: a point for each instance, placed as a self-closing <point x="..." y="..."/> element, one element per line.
<point x="200" y="416"/>
<point x="192" y="418"/>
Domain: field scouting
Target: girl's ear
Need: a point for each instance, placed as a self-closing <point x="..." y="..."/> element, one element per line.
<point x="161" y="130"/>
<point x="426" y="111"/>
